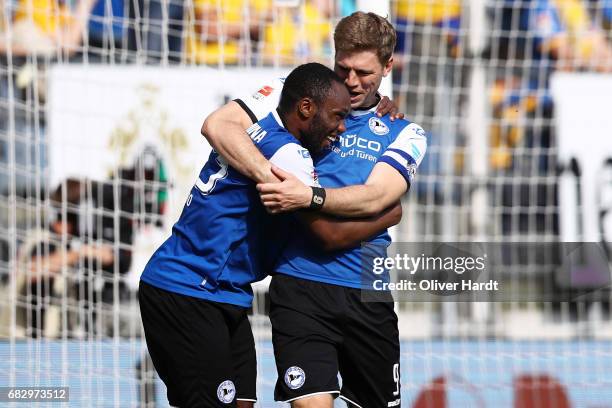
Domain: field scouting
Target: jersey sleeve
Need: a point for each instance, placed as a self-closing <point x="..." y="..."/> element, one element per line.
<point x="296" y="160"/>
<point x="259" y="104"/>
<point x="407" y="151"/>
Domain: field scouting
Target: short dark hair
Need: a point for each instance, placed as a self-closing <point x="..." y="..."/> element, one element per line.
<point x="312" y="80"/>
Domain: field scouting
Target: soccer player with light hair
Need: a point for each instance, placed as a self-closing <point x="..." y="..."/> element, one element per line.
<point x="320" y="326"/>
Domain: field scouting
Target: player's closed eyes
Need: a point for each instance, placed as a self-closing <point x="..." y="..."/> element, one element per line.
<point x="358" y="72"/>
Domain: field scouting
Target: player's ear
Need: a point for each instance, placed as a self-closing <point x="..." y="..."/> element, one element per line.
<point x="307" y="108"/>
<point x="388" y="66"/>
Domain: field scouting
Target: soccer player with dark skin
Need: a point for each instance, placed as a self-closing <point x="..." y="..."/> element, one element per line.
<point x="366" y="355"/>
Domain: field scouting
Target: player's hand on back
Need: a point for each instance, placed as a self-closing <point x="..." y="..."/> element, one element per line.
<point x="387" y="106"/>
<point x="288" y="195"/>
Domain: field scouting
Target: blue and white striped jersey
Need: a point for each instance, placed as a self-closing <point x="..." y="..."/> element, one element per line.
<point x="368" y="140"/>
<point x="218" y="246"/>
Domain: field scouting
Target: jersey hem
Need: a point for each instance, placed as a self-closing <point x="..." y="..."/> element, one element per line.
<point x="308" y="395"/>
<point x="316" y="278"/>
<point x="198" y="295"/>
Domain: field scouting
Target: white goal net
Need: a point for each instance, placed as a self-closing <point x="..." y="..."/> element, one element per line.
<point x="101" y="103"/>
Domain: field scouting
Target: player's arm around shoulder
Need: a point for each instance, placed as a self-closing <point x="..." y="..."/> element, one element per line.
<point x="294" y="162"/>
<point x="388" y="181"/>
<point x="225" y="131"/>
<point x="335" y="234"/>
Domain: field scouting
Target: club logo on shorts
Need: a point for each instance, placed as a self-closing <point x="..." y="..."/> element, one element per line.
<point x="226" y="392"/>
<point x="295" y="377"/>
<point x="377" y="126"/>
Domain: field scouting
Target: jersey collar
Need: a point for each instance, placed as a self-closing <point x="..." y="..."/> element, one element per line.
<point x="366" y="111"/>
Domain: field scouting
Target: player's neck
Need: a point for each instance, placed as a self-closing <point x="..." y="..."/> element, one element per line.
<point x="370" y="103"/>
<point x="291" y="124"/>
<point x="282" y="118"/>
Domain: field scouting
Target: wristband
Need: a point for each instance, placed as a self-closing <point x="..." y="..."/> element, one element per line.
<point x="318" y="198"/>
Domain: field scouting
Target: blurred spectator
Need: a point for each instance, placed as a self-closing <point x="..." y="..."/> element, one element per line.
<point x="299" y="34"/>
<point x="537" y="38"/>
<point x="601" y="15"/>
<point x="429" y="68"/>
<point x="156" y="30"/>
<point x="427" y="36"/>
<point x="46" y="27"/>
<point x="4" y="17"/>
<point x="414" y="18"/>
<point x="107" y="30"/>
<point x="81" y="260"/>
<point x="552" y="36"/>
<point x="222" y="31"/>
<point x="50" y="259"/>
<point x="564" y="32"/>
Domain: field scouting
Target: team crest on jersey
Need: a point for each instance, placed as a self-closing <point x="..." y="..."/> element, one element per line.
<point x="226" y="392"/>
<point x="377" y="126"/>
<point x="295" y="377"/>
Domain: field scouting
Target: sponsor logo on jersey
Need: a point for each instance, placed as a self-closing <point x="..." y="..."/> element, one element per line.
<point x="263" y="92"/>
<point x="295" y="377"/>
<point x="226" y="392"/>
<point x="377" y="126"/>
<point x="351" y="145"/>
<point x="349" y="141"/>
<point x="305" y="153"/>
